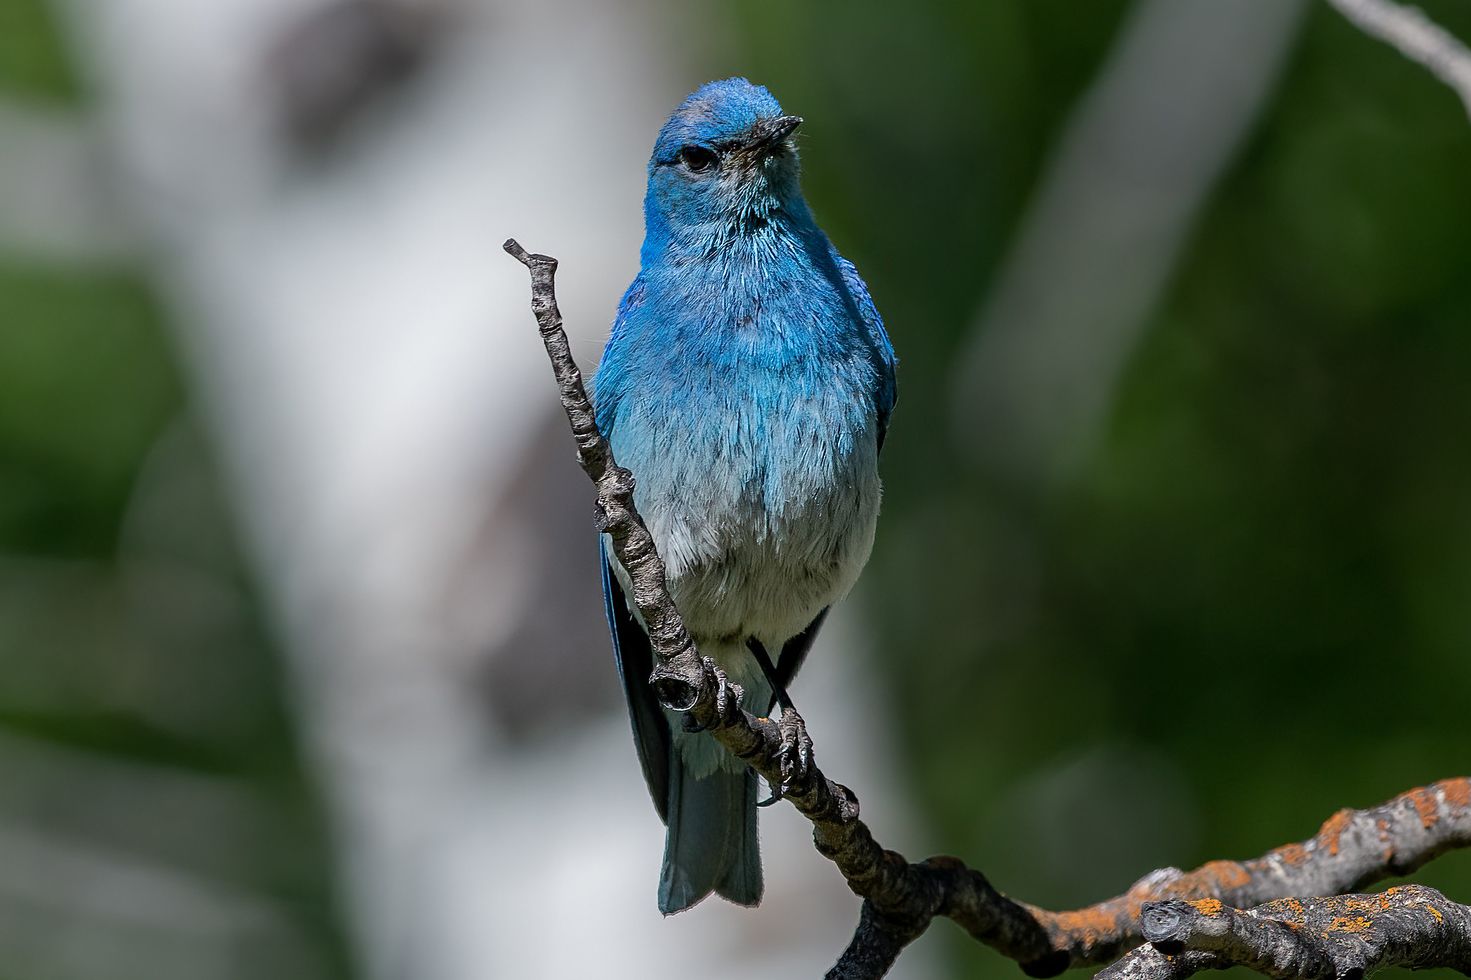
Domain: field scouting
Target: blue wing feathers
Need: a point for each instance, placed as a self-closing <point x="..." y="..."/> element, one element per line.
<point x="635" y="660"/>
<point x="888" y="389"/>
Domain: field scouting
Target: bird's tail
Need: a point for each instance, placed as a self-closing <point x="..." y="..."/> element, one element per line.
<point x="711" y="843"/>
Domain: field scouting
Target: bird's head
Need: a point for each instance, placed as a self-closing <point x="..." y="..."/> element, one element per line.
<point x="724" y="163"/>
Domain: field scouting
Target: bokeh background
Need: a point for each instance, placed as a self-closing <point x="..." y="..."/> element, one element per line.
<point x="302" y="672"/>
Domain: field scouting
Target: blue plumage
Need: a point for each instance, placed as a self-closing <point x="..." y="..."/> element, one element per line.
<point x="748" y="384"/>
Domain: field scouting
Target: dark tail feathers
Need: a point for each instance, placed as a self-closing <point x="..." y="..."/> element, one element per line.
<point x="711" y="842"/>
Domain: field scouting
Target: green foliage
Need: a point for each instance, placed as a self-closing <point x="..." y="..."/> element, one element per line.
<point x="32" y="59"/>
<point x="85" y="385"/>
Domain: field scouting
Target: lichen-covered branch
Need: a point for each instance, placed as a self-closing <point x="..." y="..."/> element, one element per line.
<point x="900" y="898"/>
<point x="1352" y="849"/>
<point x="1342" y="937"/>
<point x="1415" y="36"/>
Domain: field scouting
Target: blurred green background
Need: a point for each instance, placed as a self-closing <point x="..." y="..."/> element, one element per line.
<point x="1244" y="606"/>
<point x="155" y="819"/>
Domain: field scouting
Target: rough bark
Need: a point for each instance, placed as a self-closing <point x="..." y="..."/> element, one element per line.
<point x="1341" y="937"/>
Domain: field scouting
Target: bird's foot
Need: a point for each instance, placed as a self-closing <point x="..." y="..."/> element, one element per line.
<point x="795" y="753"/>
<point x="728" y="696"/>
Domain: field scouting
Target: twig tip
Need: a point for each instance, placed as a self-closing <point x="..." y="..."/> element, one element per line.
<point x="514" y="249"/>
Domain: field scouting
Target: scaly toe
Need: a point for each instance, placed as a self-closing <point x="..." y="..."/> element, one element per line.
<point x="724" y="689"/>
<point x="796" y="750"/>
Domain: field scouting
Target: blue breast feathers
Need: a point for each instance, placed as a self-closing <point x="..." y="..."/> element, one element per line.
<point x="749" y="397"/>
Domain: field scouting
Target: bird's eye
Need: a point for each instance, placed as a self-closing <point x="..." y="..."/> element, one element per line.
<point x="697" y="158"/>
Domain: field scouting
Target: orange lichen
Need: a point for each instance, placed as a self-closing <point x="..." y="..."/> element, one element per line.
<point x="1333" y="828"/>
<point x="1293" y="854"/>
<point x="1088" y="926"/>
<point x="1381" y="825"/>
<point x="1207" y="906"/>
<point x="1354" y="924"/>
<point x="1426" y="805"/>
<point x="1457" y="792"/>
<point x="1435" y="912"/>
<point x="1222" y="874"/>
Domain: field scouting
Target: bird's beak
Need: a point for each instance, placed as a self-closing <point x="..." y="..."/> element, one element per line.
<point x="768" y="134"/>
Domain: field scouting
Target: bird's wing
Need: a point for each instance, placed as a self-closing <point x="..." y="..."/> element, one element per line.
<point x="887" y="392"/>
<point x="793" y="652"/>
<point x="635" y="660"/>
<point x="631" y="650"/>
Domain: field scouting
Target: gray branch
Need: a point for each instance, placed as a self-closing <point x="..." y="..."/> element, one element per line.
<point x="900" y="898"/>
<point x="1343" y="937"/>
<point x="1415" y="36"/>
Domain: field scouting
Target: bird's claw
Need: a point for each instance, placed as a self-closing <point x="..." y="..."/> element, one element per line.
<point x="795" y="754"/>
<point x="727" y="696"/>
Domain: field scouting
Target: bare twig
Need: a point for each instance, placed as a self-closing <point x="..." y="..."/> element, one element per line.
<point x="1415" y="36"/>
<point x="1353" y="848"/>
<point x="1344" y="937"/>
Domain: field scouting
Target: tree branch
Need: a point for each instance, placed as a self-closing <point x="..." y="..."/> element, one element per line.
<point x="1344" y="937"/>
<point x="900" y="899"/>
<point x="1415" y="36"/>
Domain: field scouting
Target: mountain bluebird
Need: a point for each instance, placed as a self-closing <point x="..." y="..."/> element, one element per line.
<point x="747" y="384"/>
